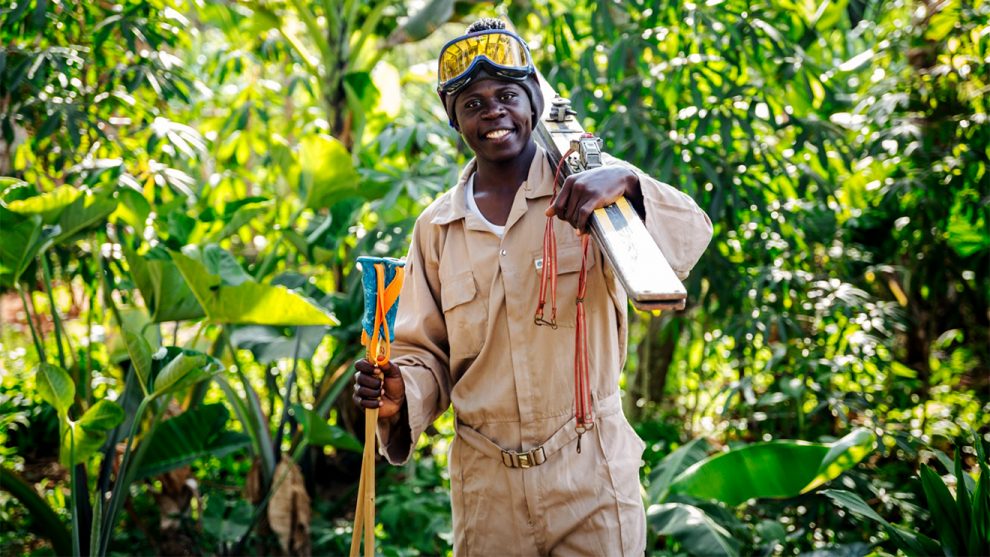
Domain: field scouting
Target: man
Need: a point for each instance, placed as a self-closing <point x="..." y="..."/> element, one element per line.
<point x="523" y="482"/>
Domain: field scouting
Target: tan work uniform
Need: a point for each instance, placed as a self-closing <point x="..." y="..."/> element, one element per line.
<point x="465" y="336"/>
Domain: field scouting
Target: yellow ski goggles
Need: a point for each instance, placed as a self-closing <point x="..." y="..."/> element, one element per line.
<point x="499" y="52"/>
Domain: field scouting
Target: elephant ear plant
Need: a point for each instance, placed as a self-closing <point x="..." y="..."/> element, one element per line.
<point x="159" y="374"/>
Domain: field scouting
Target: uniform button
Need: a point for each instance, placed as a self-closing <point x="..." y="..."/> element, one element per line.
<point x="503" y="252"/>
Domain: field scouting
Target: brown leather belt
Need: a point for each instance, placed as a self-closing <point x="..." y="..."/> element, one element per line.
<point x="536" y="456"/>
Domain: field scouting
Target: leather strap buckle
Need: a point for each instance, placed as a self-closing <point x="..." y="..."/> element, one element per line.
<point x="528" y="459"/>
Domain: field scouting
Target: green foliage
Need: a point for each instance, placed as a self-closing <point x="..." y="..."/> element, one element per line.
<point x="85" y="436"/>
<point x="45" y="521"/>
<point x="697" y="532"/>
<point x="229" y="295"/>
<point x="55" y="387"/>
<point x="777" y="469"/>
<point x="186" y="186"/>
<point x="192" y="435"/>
<point x="318" y="433"/>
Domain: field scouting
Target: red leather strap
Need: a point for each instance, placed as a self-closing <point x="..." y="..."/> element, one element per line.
<point x="583" y="411"/>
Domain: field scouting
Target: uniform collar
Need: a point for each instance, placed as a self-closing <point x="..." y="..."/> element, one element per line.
<point x="539" y="183"/>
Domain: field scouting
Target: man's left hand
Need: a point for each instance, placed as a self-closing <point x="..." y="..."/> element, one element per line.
<point x="586" y="191"/>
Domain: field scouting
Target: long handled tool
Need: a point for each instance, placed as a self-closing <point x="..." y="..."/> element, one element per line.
<point x="640" y="266"/>
<point x="382" y="279"/>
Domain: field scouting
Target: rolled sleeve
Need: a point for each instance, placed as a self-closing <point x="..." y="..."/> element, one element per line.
<point x="678" y="226"/>
<point x="420" y="351"/>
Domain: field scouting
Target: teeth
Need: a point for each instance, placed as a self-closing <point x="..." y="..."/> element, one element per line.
<point x="496" y="134"/>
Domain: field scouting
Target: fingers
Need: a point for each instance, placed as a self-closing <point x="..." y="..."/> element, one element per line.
<point x="574" y="204"/>
<point x="368" y="368"/>
<point x="559" y="206"/>
<point x="390" y="370"/>
<point x="372" y="383"/>
<point x="364" y="366"/>
<point x="368" y="388"/>
<point x="366" y="403"/>
<point x="583" y="216"/>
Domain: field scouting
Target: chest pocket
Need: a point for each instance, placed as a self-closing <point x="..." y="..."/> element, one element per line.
<point x="568" y="269"/>
<point x="465" y="313"/>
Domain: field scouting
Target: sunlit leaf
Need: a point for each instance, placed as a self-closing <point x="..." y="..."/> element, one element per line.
<point x="185" y="368"/>
<point x="55" y="387"/>
<point x="248" y="302"/>
<point x="165" y="292"/>
<point x="102" y="416"/>
<point x="775" y="469"/>
<point x="86" y="211"/>
<point x="327" y="172"/>
<point x="48" y="205"/>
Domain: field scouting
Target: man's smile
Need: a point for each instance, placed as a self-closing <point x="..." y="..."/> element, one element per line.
<point x="497" y="134"/>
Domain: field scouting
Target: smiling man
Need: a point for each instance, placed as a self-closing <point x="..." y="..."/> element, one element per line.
<point x="524" y="479"/>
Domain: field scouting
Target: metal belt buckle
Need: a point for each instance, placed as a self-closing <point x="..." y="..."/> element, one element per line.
<point x="524" y="460"/>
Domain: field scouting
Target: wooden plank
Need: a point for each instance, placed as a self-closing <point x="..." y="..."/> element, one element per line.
<point x="639" y="264"/>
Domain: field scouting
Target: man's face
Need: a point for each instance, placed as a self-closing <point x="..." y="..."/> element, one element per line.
<point x="495" y="118"/>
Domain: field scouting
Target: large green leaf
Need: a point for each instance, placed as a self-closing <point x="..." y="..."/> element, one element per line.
<point x="165" y="292"/>
<point x="317" y="431"/>
<point x="672" y="465"/>
<point x="140" y="354"/>
<point x="132" y="208"/>
<point x="189" y="436"/>
<point x="186" y="368"/>
<point x="102" y="416"/>
<point x="85" y="212"/>
<point x="248" y="302"/>
<point x="23" y="237"/>
<point x="327" y="171"/>
<point x="910" y="542"/>
<point x="90" y="431"/>
<point x="55" y="387"/>
<point x="952" y="532"/>
<point x="49" y="206"/>
<point x="697" y="533"/>
<point x="776" y="469"/>
<point x="221" y="263"/>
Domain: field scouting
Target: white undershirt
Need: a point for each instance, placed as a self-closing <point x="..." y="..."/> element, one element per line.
<point x="473" y="207"/>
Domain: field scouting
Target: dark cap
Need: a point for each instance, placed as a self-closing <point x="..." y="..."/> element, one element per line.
<point x="531" y="85"/>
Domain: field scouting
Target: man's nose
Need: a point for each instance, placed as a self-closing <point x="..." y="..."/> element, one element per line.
<point x="492" y="109"/>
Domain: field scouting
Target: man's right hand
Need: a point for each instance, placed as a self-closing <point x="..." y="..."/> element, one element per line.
<point x="369" y="392"/>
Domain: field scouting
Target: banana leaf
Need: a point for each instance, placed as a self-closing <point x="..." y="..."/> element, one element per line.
<point x="775" y="470"/>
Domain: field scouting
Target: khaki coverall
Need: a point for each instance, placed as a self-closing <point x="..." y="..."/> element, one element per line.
<point x="465" y="336"/>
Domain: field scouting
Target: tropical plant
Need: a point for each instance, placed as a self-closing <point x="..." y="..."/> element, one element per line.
<point x="690" y="494"/>
<point x="184" y="188"/>
<point x="960" y="520"/>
